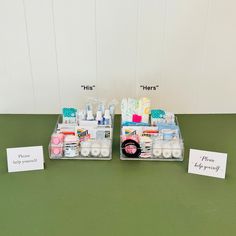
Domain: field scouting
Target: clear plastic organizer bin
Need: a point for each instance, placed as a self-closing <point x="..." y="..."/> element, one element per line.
<point x="78" y="146"/>
<point x="148" y="143"/>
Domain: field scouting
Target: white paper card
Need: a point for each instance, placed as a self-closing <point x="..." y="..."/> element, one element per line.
<point x="25" y="159"/>
<point x="207" y="163"/>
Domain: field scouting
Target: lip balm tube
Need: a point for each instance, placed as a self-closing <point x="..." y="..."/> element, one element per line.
<point x="157" y="148"/>
<point x="85" y="149"/>
<point x="176" y="149"/>
<point x="166" y="151"/>
<point x="95" y="149"/>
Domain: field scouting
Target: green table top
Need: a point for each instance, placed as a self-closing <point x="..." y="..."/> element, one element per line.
<point x="76" y="197"/>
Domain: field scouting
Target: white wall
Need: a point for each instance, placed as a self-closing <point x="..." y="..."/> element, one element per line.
<point x="49" y="48"/>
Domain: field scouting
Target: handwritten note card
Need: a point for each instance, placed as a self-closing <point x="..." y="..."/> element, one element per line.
<point x="207" y="163"/>
<point x="25" y="158"/>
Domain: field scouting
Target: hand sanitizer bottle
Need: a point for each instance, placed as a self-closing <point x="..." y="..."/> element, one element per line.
<point x="107" y="117"/>
<point x="90" y="115"/>
<point x="99" y="117"/>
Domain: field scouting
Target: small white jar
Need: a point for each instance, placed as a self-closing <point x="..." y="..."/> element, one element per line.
<point x="95" y="149"/>
<point x="166" y="150"/>
<point x="85" y="148"/>
<point x="105" y="148"/>
<point x="176" y="149"/>
<point x="157" y="148"/>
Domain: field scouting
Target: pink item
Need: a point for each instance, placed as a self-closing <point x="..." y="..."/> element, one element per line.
<point x="131" y="149"/>
<point x="57" y="139"/>
<point x="137" y="118"/>
<point x="56" y="151"/>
